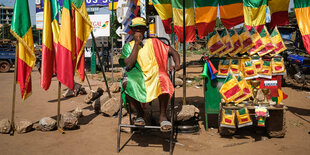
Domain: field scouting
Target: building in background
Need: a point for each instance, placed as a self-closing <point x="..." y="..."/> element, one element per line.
<point x="6" y="14"/>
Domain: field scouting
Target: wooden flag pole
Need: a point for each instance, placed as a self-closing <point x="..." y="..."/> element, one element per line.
<point x="14" y="92"/>
<point x="87" y="81"/>
<point x="58" y="109"/>
<point x="184" y="56"/>
<point x="100" y="62"/>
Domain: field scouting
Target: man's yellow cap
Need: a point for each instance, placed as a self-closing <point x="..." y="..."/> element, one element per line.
<point x="138" y="21"/>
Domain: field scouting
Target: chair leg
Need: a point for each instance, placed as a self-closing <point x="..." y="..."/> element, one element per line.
<point x="172" y="125"/>
<point x="119" y="126"/>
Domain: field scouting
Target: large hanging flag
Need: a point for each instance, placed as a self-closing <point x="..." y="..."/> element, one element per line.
<point x="302" y="11"/>
<point x="237" y="42"/>
<point x="22" y="31"/>
<point x="66" y="47"/>
<point x="269" y="46"/>
<point x="247" y="40"/>
<point x="49" y="41"/>
<point x="231" y="89"/>
<point x="205" y="14"/>
<point x="215" y="43"/>
<point x="277" y="40"/>
<point x="231" y="12"/>
<point x="254" y="13"/>
<point x="279" y="12"/>
<point x="83" y="28"/>
<point x="177" y="10"/>
<point x="164" y="10"/>
<point x="258" y="44"/>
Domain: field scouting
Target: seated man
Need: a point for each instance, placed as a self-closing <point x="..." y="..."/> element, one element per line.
<point x="145" y="77"/>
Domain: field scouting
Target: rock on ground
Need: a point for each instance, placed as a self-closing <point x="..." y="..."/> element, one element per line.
<point x="178" y="82"/>
<point x="23" y="126"/>
<point x="110" y="107"/>
<point x="99" y="101"/>
<point x="68" y="121"/>
<point x="78" y="112"/>
<point x="46" y="124"/>
<point x="115" y="87"/>
<point x="5" y="126"/>
<point x="68" y="93"/>
<point x="187" y="112"/>
<point x="77" y="88"/>
<point x="91" y="97"/>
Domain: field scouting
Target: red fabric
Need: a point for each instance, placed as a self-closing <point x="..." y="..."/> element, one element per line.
<point x="279" y="46"/>
<point x="237" y="44"/>
<point x="224" y="70"/>
<point x="279" y="18"/>
<point x="205" y="28"/>
<point x="247" y="42"/>
<point x="167" y="25"/>
<point x="161" y="54"/>
<point x="81" y="63"/>
<point x="258" y="43"/>
<point x="216" y="46"/>
<point x="232" y="91"/>
<point x="259" y="28"/>
<point x="227" y="120"/>
<point x="306" y="39"/>
<point x="278" y="68"/>
<point x="24" y="78"/>
<point x="65" y="67"/>
<point x="189" y="32"/>
<point x="47" y="66"/>
<point x="273" y="89"/>
<point x="244" y="119"/>
<point x="229" y="23"/>
<point x="250" y="72"/>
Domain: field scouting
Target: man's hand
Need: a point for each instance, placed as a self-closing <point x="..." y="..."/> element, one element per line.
<point x="138" y="36"/>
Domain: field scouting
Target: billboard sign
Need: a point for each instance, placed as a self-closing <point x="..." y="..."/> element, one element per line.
<point x="101" y="25"/>
<point x="95" y="2"/>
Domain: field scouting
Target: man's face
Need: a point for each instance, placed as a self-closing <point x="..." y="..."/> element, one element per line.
<point x="141" y="29"/>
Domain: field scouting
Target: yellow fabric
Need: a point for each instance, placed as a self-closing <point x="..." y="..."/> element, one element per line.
<point x="25" y="55"/>
<point x="303" y="16"/>
<point x="214" y="39"/>
<point x="266" y="69"/>
<point x="256" y="37"/>
<point x="164" y="11"/>
<point x="55" y="30"/>
<point x="228" y="117"/>
<point x="234" y="39"/>
<point x="233" y="11"/>
<point x="258" y="65"/>
<point x="227" y="40"/>
<point x="178" y="17"/>
<point x="147" y="60"/>
<point x="249" y="68"/>
<point x="244" y="36"/>
<point x="223" y="67"/>
<point x="227" y="86"/>
<point x="243" y="84"/>
<point x="138" y="21"/>
<point x="66" y="24"/>
<point x="255" y="16"/>
<point x="205" y="14"/>
<point x="280" y="98"/>
<point x="278" y="5"/>
<point x="47" y="39"/>
<point x="277" y="39"/>
<point x="245" y="116"/>
<point x="267" y="40"/>
<point x="275" y="64"/>
<point x="234" y="66"/>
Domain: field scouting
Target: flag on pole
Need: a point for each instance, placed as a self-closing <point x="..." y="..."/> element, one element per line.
<point x="237" y="42"/>
<point x="231" y="89"/>
<point x="302" y="11"/>
<point x="214" y="43"/>
<point x="269" y="46"/>
<point x="277" y="40"/>
<point x="231" y="12"/>
<point x="164" y="10"/>
<point x="177" y="10"/>
<point x="258" y="43"/>
<point x="66" y="47"/>
<point x="279" y="12"/>
<point x="83" y="28"/>
<point x="49" y="41"/>
<point x="254" y="13"/>
<point x="206" y="13"/>
<point x="22" y="31"/>
<point x="247" y="40"/>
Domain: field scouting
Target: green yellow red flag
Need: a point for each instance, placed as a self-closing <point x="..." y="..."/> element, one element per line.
<point x="279" y="12"/>
<point x="228" y="43"/>
<point x="246" y="89"/>
<point x="302" y="11"/>
<point x="22" y="31"/>
<point x="231" y="88"/>
<point x="177" y="10"/>
<point x="65" y="55"/>
<point x="254" y="13"/>
<point x="49" y="41"/>
<point x="237" y="42"/>
<point x="257" y="41"/>
<point x="231" y="12"/>
<point x="247" y="40"/>
<point x="83" y="28"/>
<point x="269" y="46"/>
<point x="164" y="10"/>
<point x="215" y="43"/>
<point x="205" y="16"/>
<point x="277" y="40"/>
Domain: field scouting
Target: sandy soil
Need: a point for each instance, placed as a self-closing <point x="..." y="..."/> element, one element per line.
<point x="97" y="133"/>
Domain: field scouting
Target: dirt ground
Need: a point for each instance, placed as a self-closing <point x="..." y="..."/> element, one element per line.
<point x="97" y="134"/>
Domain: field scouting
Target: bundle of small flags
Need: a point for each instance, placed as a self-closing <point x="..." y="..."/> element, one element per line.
<point x="261" y="113"/>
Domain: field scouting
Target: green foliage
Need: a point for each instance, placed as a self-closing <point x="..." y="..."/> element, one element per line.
<point x="219" y="23"/>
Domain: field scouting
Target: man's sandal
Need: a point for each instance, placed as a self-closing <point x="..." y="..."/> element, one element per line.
<point x="165" y="124"/>
<point x="140" y="121"/>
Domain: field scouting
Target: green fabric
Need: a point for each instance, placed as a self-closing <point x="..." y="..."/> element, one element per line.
<point x="68" y="5"/>
<point x="254" y="3"/>
<point x="21" y="18"/>
<point x="301" y="3"/>
<point x="239" y="78"/>
<point x="178" y="4"/>
<point x="274" y="33"/>
<point x="252" y="31"/>
<point x="277" y="59"/>
<point x="248" y="64"/>
<point x="204" y="3"/>
<point x="55" y="8"/>
<point x="224" y="33"/>
<point x="266" y="63"/>
<point x="275" y="99"/>
<point x="228" y="78"/>
<point x="228" y="112"/>
<point x="242" y="111"/>
<point x="227" y="2"/>
<point x="161" y="2"/>
<point x="242" y="30"/>
<point x="235" y="61"/>
<point x="231" y="32"/>
<point x="135" y="87"/>
<point x="77" y="3"/>
<point x="263" y="33"/>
